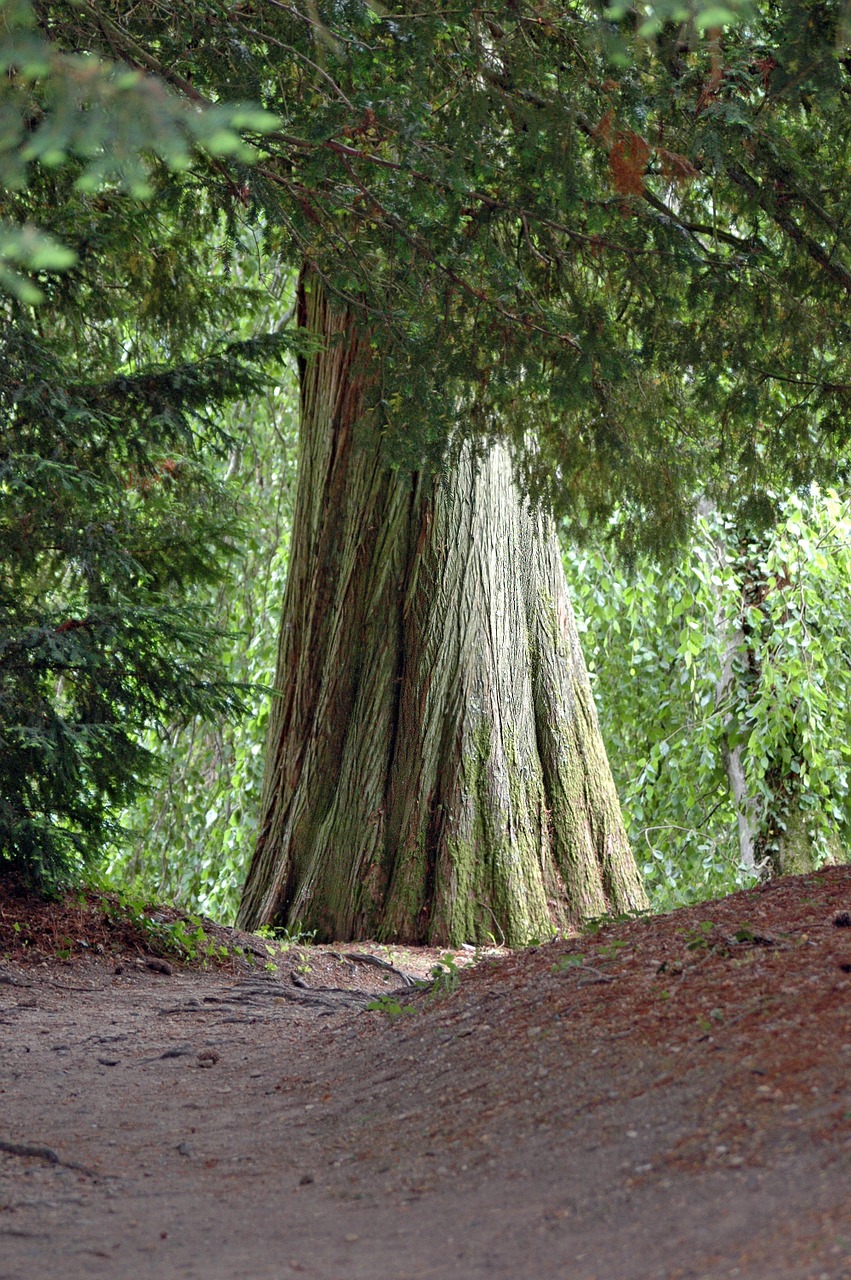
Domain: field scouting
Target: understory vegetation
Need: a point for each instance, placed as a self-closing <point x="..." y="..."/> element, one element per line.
<point x="743" y="642"/>
<point x="188" y="839"/>
<point x="656" y="638"/>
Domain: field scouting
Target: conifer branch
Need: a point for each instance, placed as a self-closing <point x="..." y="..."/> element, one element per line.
<point x="816" y="251"/>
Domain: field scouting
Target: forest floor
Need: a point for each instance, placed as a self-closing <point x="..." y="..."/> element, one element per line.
<point x="667" y="1097"/>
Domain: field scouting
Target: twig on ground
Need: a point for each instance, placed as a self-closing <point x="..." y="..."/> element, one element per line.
<point x="37" y="1151"/>
<point x="11" y="980"/>
<point x="363" y="957"/>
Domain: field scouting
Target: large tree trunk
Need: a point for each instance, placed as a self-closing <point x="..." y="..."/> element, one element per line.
<point x="434" y="769"/>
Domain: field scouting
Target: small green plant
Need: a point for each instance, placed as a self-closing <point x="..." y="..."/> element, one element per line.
<point x="185" y="938"/>
<point x="286" y="936"/>
<point x="716" y="1016"/>
<point x="21" y="932"/>
<point x="297" y="935"/>
<point x="390" y="1005"/>
<point x="445" y="976"/>
<point x="191" y="943"/>
<point x="700" y="936"/>
<point x="612" y="949"/>
<point x="594" y="924"/>
<point x="538" y="940"/>
<point x="568" y="962"/>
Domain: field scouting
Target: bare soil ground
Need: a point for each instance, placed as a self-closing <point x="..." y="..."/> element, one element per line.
<point x="668" y="1097"/>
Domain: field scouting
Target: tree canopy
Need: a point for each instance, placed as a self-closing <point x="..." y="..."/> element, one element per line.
<point x="112" y="122"/>
<point x="628" y="256"/>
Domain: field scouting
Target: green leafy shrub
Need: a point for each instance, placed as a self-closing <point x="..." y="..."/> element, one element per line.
<point x="776" y="607"/>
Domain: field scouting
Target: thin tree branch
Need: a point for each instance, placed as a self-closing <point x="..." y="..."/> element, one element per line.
<point x="816" y="251"/>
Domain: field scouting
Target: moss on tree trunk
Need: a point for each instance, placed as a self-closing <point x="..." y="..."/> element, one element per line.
<point x="434" y="769"/>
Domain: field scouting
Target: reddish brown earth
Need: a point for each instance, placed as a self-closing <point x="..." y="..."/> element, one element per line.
<point x="669" y="1097"/>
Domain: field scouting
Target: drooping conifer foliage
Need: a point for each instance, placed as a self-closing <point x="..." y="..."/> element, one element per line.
<point x="629" y="257"/>
<point x="58" y="105"/>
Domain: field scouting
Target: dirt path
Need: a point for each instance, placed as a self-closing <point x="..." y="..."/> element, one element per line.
<point x="668" y="1098"/>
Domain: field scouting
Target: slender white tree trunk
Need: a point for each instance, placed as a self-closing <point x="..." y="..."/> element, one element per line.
<point x="774" y="833"/>
<point x="747" y="813"/>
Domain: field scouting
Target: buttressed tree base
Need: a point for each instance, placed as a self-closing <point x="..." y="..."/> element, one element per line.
<point x="435" y="771"/>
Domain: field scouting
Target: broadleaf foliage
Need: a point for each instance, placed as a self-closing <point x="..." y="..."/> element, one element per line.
<point x="775" y="606"/>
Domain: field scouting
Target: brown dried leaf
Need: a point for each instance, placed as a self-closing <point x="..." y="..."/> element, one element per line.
<point x="628" y="161"/>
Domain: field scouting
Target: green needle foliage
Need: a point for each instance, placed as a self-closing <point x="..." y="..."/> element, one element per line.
<point x="188" y="839"/>
<point x="114" y="365"/>
<point x="617" y="239"/>
<point x="110" y="512"/>
<point x="114" y="121"/>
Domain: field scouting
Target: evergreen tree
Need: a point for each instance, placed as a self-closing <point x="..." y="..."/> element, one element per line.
<point x="111" y="379"/>
<point x="188" y="836"/>
<point x="616" y="254"/>
<point x="434" y="767"/>
<point x="109" y="513"/>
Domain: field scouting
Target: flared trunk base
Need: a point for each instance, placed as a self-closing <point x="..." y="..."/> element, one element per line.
<point x="435" y="771"/>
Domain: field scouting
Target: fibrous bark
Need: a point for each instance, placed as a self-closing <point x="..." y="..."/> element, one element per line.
<point x="434" y="766"/>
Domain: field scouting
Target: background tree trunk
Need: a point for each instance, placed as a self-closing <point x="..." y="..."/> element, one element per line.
<point x="434" y="769"/>
<point x="776" y="834"/>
